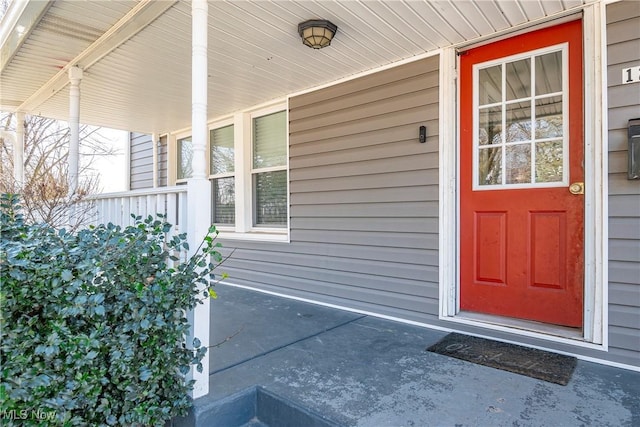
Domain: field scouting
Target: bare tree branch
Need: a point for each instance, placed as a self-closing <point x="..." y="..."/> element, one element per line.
<point x="45" y="188"/>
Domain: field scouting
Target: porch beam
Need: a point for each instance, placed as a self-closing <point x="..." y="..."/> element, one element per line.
<point x="17" y="23"/>
<point x="139" y="17"/>
<point x="198" y="186"/>
<point x="18" y="151"/>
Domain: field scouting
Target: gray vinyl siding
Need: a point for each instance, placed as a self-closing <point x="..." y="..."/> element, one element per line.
<point x="623" y="51"/>
<point x="141" y="161"/>
<point x="364" y="201"/>
<point x="363" y="198"/>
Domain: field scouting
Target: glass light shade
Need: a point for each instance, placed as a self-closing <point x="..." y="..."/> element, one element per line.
<point x="317" y="33"/>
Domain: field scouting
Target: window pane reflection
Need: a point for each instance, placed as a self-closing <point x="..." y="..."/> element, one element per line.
<point x="519" y="122"/>
<point x="224" y="201"/>
<point x="518" y="79"/>
<point x="518" y="164"/>
<point x="549" y="117"/>
<point x="490" y="170"/>
<point x="185" y="158"/>
<point x="271" y="198"/>
<point x="490" y="85"/>
<point x="490" y="126"/>
<point x="549" y="73"/>
<point x="222" y="154"/>
<point x="549" y="161"/>
<point x="270" y="140"/>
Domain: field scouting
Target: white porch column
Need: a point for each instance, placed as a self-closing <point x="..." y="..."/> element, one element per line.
<point x="75" y="75"/>
<point x="198" y="186"/>
<point x="18" y="151"/>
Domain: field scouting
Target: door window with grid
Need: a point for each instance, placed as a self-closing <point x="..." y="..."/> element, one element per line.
<point x="520" y="136"/>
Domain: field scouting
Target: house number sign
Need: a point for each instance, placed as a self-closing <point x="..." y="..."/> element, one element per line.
<point x="631" y="75"/>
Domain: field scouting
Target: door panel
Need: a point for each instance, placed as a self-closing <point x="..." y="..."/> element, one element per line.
<point x="521" y="146"/>
<point x="548" y="249"/>
<point x="491" y="247"/>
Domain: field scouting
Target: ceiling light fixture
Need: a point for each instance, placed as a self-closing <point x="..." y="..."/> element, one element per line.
<point x="317" y="33"/>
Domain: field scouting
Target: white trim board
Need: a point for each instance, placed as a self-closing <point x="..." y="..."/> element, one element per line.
<point x="448" y="247"/>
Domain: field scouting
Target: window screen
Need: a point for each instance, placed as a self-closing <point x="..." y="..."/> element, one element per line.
<point x="224" y="200"/>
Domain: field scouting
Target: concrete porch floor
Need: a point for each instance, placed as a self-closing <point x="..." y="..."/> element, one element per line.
<point x="359" y="370"/>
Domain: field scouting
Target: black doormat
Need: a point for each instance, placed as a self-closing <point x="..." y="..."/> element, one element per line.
<point x="534" y="363"/>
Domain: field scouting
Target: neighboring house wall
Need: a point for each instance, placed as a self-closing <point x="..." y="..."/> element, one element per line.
<point x="141" y="163"/>
<point x="364" y="198"/>
<point x="623" y="51"/>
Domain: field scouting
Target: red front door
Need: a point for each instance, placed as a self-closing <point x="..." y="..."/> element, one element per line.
<point x="521" y="175"/>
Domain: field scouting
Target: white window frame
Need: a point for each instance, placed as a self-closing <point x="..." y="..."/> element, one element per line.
<point x="244" y="228"/>
<point x="254" y="171"/>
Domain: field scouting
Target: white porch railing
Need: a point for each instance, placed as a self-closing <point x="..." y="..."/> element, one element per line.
<point x="118" y="207"/>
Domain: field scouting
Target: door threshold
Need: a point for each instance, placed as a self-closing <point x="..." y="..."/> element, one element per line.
<point x="525" y="325"/>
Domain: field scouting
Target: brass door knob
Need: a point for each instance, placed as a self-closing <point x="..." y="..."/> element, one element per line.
<point x="576" y="188"/>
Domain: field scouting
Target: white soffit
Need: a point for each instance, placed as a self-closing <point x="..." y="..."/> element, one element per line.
<point x="142" y="81"/>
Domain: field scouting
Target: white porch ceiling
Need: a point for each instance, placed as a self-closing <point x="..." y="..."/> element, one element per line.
<point x="137" y="54"/>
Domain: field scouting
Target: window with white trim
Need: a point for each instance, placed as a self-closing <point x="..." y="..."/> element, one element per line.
<point x="222" y="174"/>
<point x="269" y="170"/>
<point x="248" y="169"/>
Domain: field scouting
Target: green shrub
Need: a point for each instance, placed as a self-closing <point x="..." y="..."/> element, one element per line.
<point x="94" y="323"/>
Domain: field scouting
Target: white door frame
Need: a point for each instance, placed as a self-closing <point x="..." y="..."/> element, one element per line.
<point x="596" y="190"/>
